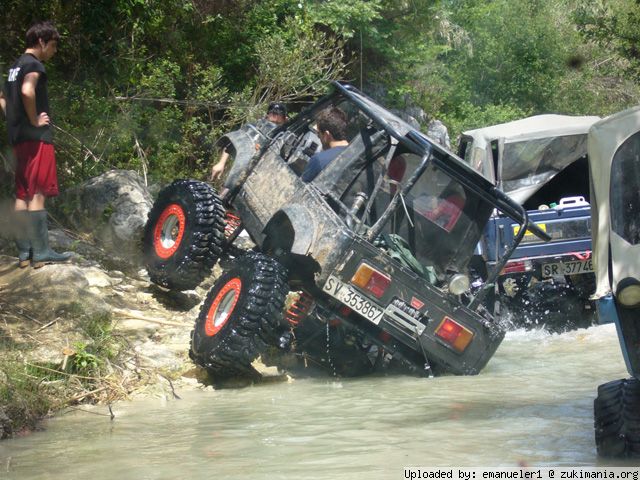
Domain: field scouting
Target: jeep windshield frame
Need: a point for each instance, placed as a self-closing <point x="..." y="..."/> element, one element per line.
<point x="420" y="144"/>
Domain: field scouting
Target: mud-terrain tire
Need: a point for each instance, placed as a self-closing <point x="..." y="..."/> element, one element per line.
<point x="617" y="419"/>
<point x="184" y="235"/>
<point x="241" y="316"/>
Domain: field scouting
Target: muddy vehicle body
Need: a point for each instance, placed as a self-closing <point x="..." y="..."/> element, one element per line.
<point x="377" y="246"/>
<point x="614" y="157"/>
<point x="541" y="162"/>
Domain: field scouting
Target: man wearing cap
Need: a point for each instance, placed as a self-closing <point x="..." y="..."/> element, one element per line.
<point x="276" y="113"/>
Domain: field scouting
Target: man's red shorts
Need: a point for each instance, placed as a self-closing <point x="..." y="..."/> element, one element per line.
<point x="35" y="170"/>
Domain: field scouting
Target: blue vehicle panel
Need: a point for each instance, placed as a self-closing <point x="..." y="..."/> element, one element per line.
<point x="569" y="228"/>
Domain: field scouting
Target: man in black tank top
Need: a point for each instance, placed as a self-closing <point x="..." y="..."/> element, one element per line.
<point x="25" y="102"/>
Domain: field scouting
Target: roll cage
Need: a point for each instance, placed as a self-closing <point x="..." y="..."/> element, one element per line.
<point x="360" y="186"/>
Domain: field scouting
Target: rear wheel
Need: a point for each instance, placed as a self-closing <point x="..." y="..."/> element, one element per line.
<point x="617" y="419"/>
<point x="184" y="235"/>
<point x="240" y="317"/>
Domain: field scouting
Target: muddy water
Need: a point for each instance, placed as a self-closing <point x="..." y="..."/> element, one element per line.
<point x="532" y="404"/>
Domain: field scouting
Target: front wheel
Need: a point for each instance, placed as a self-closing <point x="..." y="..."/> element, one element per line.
<point x="240" y="317"/>
<point x="617" y="419"/>
<point x="184" y="235"/>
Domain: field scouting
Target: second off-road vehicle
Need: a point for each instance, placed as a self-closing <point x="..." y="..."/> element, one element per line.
<point x="541" y="162"/>
<point x="377" y="248"/>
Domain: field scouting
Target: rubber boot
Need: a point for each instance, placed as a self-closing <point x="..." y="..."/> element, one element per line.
<point x="23" y="244"/>
<point x="39" y="236"/>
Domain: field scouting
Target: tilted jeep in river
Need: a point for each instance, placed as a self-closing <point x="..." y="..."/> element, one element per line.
<point x="377" y="248"/>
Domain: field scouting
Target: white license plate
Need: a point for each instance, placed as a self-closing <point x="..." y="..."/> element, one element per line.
<point x="567" y="268"/>
<point x="352" y="299"/>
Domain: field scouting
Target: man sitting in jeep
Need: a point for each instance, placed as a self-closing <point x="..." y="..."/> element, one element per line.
<point x="332" y="131"/>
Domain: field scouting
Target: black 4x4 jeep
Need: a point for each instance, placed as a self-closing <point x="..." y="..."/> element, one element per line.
<point x="378" y="247"/>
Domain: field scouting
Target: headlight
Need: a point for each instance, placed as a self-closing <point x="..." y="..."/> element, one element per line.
<point x="628" y="293"/>
<point x="459" y="284"/>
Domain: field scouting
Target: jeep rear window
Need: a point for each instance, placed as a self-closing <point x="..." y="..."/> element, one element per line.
<point x="625" y="192"/>
<point x="439" y="219"/>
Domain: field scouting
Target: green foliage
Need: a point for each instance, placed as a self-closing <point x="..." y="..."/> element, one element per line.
<point x="468" y="116"/>
<point x="345" y="17"/>
<point x="149" y="85"/>
<point x="508" y="59"/>
<point x="614" y="25"/>
<point x="84" y="362"/>
<point x="23" y="397"/>
<point x="103" y="345"/>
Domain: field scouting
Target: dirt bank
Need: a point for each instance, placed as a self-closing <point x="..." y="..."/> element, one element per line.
<point x="80" y="332"/>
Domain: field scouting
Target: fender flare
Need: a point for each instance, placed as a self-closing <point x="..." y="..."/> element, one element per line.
<point x="243" y="148"/>
<point x="292" y="229"/>
<point x="245" y="143"/>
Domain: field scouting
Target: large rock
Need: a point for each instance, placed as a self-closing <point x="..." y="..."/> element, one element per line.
<point x="112" y="207"/>
<point x="439" y="132"/>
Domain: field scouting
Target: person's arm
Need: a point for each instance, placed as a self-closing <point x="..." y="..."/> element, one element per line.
<point x="3" y="103"/>
<point x="28" y="91"/>
<point x="218" y="168"/>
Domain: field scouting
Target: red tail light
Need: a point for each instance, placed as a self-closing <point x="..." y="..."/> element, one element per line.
<point x="454" y="334"/>
<point x="372" y="280"/>
<point x="517" y="266"/>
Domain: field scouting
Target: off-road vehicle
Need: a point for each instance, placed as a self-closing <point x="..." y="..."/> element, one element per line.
<point x="614" y="158"/>
<point x="377" y="245"/>
<point x="541" y="163"/>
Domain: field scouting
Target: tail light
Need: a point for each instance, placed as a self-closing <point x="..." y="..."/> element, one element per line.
<point x="454" y="334"/>
<point x="370" y="279"/>
<point x="517" y="266"/>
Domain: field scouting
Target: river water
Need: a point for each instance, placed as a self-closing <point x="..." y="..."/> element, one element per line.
<point x="533" y="404"/>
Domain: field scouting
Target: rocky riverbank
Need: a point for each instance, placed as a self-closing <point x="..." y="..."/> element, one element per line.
<point x="95" y="329"/>
<point x="81" y="333"/>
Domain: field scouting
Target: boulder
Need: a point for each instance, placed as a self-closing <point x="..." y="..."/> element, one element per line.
<point x="112" y="207"/>
<point x="408" y="117"/>
<point x="438" y="132"/>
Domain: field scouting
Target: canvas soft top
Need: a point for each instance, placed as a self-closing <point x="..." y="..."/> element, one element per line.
<point x="605" y="139"/>
<point x="530" y="151"/>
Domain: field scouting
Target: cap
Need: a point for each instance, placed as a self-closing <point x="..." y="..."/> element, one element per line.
<point x="277" y="108"/>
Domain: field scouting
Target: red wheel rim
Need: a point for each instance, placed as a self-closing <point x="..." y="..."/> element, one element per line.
<point x="168" y="233"/>
<point x="222" y="307"/>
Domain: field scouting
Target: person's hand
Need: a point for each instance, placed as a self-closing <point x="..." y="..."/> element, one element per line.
<point x="216" y="171"/>
<point x="43" y="120"/>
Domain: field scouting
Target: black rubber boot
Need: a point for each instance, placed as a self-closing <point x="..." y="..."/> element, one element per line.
<point x="23" y="244"/>
<point x="39" y="236"/>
